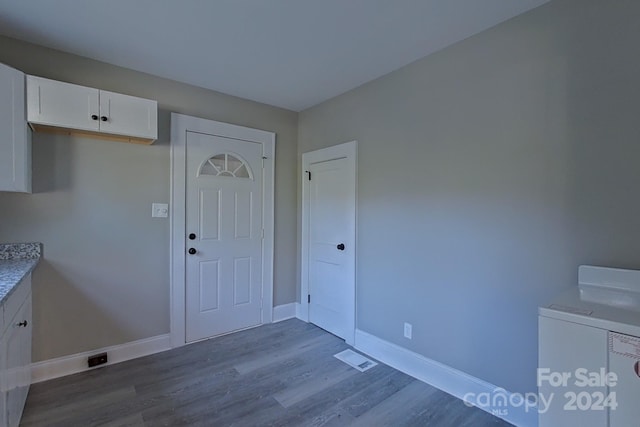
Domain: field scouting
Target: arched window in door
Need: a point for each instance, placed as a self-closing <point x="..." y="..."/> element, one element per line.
<point x="226" y="164"/>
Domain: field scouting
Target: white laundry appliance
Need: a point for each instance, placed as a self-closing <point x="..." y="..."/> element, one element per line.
<point x="589" y="352"/>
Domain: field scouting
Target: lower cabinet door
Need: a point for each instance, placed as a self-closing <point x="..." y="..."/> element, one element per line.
<point x="16" y="345"/>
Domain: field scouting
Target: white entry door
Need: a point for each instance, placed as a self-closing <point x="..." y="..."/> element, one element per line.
<point x="224" y="230"/>
<point x="329" y="238"/>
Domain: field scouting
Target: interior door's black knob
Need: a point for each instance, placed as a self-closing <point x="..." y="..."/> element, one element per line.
<point x="192" y="236"/>
<point x="24" y="324"/>
<point x="340" y="247"/>
<point x="94" y="117"/>
<point x="103" y="118"/>
<point x="192" y="251"/>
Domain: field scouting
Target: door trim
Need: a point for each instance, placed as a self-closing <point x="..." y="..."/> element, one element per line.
<point x="348" y="150"/>
<point x="180" y="125"/>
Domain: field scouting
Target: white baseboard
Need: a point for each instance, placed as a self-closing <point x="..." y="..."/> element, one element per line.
<point x="450" y="380"/>
<point x="67" y="365"/>
<point x="284" y="312"/>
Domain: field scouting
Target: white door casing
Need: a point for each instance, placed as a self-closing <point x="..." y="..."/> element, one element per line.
<point x="328" y="282"/>
<point x="208" y="132"/>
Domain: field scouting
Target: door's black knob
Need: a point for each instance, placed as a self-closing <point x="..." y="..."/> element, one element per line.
<point x="192" y="251"/>
<point x="94" y="117"/>
<point x="340" y="247"/>
<point x="103" y="118"/>
<point x="192" y="236"/>
<point x="24" y="323"/>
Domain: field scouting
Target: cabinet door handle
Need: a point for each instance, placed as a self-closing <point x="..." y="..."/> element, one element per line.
<point x="94" y="117"/>
<point x="23" y="323"/>
<point x="103" y="118"/>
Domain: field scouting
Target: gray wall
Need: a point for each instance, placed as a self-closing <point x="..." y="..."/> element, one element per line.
<point x="487" y="173"/>
<point x="104" y="279"/>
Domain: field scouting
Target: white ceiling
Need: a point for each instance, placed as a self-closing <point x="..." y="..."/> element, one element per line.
<point x="289" y="53"/>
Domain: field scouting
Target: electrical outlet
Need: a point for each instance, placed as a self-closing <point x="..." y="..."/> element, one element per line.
<point x="408" y="330"/>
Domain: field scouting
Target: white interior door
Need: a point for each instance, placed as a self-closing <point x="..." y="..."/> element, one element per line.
<point x="329" y="238"/>
<point x="224" y="230"/>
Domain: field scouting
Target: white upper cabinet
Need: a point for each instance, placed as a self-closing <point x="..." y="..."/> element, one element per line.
<point x="56" y="104"/>
<point x="15" y="142"/>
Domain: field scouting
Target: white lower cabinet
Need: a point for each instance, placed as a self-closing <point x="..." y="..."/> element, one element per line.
<point x="15" y="357"/>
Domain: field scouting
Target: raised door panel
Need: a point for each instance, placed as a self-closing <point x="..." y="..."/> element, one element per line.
<point x="59" y="104"/>
<point x="15" y="142"/>
<point x="128" y="115"/>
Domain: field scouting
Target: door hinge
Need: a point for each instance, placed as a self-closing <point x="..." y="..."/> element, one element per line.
<point x="309" y="174"/>
<point x="263" y="159"/>
<point x="309" y="299"/>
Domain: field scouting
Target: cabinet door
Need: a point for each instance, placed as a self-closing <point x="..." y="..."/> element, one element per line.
<point x="128" y="115"/>
<point x="15" y="143"/>
<point x="563" y="348"/>
<point x="64" y="105"/>
<point x="16" y="345"/>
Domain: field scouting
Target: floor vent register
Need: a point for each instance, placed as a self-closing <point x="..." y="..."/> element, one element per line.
<point x="355" y="360"/>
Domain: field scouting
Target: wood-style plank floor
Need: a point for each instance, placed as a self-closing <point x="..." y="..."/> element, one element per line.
<point x="283" y="374"/>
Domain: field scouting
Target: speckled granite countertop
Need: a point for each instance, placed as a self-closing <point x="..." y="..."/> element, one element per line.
<point x="16" y="261"/>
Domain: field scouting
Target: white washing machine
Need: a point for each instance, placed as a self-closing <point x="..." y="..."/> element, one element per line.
<point x="589" y="352"/>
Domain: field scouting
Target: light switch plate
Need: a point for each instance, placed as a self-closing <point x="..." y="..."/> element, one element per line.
<point x="159" y="210"/>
